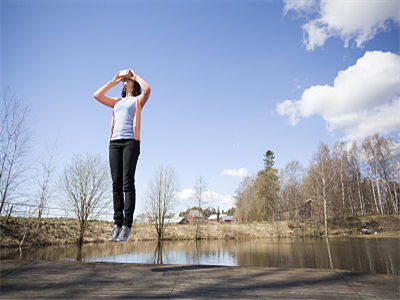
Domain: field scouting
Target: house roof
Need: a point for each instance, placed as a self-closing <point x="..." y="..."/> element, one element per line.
<point x="224" y="217"/>
<point x="173" y="220"/>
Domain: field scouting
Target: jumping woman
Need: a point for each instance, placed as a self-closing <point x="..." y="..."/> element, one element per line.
<point x="124" y="146"/>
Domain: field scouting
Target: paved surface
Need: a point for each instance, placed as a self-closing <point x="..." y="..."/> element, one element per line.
<point x="88" y="280"/>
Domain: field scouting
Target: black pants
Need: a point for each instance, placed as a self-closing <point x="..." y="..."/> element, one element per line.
<point x="123" y="156"/>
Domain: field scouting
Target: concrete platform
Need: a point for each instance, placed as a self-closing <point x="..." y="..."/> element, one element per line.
<point x="89" y="280"/>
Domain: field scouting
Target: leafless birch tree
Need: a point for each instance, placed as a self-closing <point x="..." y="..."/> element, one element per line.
<point x="354" y="161"/>
<point x="161" y="198"/>
<point x="322" y="170"/>
<point x="86" y="181"/>
<point x="44" y="183"/>
<point x="14" y="137"/>
<point x="340" y="156"/>
<point x="200" y="188"/>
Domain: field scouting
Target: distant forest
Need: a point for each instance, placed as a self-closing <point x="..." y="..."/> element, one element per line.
<point x="347" y="180"/>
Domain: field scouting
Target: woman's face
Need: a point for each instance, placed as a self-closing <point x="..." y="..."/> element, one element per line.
<point x="128" y="84"/>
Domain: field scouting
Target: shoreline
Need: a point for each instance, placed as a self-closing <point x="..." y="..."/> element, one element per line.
<point x="63" y="231"/>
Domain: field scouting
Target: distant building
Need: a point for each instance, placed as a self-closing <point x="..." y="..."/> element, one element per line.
<point x="222" y="219"/>
<point x="184" y="221"/>
<point x="212" y="219"/>
<point x="305" y="210"/>
<point x="175" y="220"/>
<point x="194" y="215"/>
<point x="225" y="219"/>
<point x="189" y="219"/>
<point x="308" y="209"/>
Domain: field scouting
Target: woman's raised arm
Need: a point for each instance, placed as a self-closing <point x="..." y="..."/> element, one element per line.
<point x="99" y="95"/>
<point x="146" y="90"/>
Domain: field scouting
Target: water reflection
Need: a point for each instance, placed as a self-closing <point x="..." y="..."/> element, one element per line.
<point x="158" y="253"/>
<point x="79" y="252"/>
<point x="366" y="255"/>
<point x="329" y="252"/>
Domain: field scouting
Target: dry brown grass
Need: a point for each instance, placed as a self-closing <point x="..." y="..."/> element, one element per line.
<point x="64" y="231"/>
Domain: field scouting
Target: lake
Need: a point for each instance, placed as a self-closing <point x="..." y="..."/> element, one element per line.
<point x="374" y="255"/>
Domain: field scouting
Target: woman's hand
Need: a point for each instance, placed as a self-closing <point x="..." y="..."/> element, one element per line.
<point x="133" y="74"/>
<point x="117" y="79"/>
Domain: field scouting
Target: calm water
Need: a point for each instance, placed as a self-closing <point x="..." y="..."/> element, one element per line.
<point x="379" y="255"/>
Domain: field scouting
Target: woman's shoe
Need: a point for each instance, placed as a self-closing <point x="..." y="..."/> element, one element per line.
<point x="114" y="233"/>
<point x="124" y="234"/>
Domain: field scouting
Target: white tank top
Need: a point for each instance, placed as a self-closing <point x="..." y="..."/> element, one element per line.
<point x="124" y="111"/>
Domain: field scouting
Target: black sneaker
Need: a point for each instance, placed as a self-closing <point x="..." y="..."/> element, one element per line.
<point x="124" y="234"/>
<point x="114" y="233"/>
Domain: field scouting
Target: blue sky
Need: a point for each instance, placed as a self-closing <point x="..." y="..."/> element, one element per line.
<point x="217" y="69"/>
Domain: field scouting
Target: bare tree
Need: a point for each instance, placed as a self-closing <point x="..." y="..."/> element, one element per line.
<point x="140" y="218"/>
<point x="290" y="191"/>
<point x="161" y="198"/>
<point x="370" y="147"/>
<point x="85" y="181"/>
<point x="341" y="159"/>
<point x="245" y="195"/>
<point x="388" y="154"/>
<point x="199" y="189"/>
<point x="395" y="178"/>
<point x="354" y="162"/>
<point x="44" y="183"/>
<point x="368" y="152"/>
<point x="14" y="137"/>
<point x="322" y="170"/>
<point x="25" y="228"/>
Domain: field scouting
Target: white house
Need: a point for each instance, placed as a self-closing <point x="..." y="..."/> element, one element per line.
<point x="222" y="219"/>
<point x="212" y="219"/>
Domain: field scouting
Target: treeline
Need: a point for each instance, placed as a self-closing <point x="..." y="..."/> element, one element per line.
<point x="356" y="180"/>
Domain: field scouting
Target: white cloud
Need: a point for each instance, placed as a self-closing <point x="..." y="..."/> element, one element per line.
<point x="300" y="6"/>
<point x="235" y="172"/>
<point x="314" y="35"/>
<point x="185" y="194"/>
<point x="350" y="20"/>
<point x="186" y="198"/>
<point x="364" y="98"/>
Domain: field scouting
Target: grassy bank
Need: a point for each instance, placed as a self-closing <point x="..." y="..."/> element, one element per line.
<point x="64" y="231"/>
